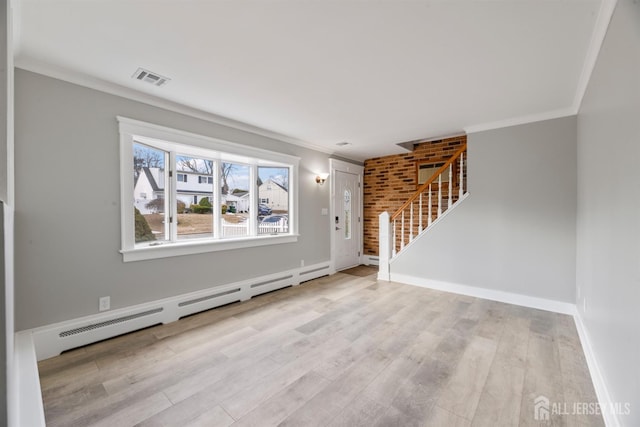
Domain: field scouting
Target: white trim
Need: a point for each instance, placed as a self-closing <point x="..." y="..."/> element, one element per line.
<point x="30" y="406"/>
<point x="602" y="392"/>
<point x="64" y="74"/>
<point x="386" y="244"/>
<point x="187" y="247"/>
<point x="611" y="419"/>
<point x="48" y="343"/>
<point x="521" y="120"/>
<point x="603" y="19"/>
<point x="490" y="294"/>
<point x="340" y="165"/>
<point x="371" y="260"/>
<point x="430" y="227"/>
<point x="44" y="342"/>
<point x="605" y="14"/>
<point x="172" y="140"/>
<point x="607" y="7"/>
<point x="11" y="374"/>
<point x="190" y="139"/>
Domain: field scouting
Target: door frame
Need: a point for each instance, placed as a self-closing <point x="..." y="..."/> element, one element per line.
<point x="342" y="166"/>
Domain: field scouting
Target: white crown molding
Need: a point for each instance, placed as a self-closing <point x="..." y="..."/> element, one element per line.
<point x="597" y="38"/>
<point x="95" y="83"/>
<point x="521" y="120"/>
<point x="603" y="19"/>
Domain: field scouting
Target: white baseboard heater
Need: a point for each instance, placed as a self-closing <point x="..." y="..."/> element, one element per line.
<point x="51" y="340"/>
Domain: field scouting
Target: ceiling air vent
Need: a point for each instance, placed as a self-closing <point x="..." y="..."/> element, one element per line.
<point x="150" y="77"/>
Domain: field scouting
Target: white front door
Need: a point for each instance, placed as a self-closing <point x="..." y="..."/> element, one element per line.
<point x="346" y="221"/>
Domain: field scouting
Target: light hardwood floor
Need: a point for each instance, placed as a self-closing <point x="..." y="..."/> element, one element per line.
<point x="343" y="350"/>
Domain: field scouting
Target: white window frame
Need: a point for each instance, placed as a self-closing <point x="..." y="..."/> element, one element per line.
<point x="186" y="143"/>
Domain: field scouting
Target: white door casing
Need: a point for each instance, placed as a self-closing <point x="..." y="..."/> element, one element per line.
<point x="346" y="214"/>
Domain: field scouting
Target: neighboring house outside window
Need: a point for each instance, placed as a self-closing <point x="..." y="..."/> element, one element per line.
<point x="275" y="194"/>
<point x="227" y="174"/>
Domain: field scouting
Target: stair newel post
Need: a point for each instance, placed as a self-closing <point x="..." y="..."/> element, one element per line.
<point x="450" y="186"/>
<point x="411" y="223"/>
<point x="461" y="192"/>
<point x="429" y="205"/>
<point x="439" y="196"/>
<point x="434" y="211"/>
<point x="394" y="238"/>
<point x="386" y="242"/>
<point x="402" y="231"/>
<point x="420" y="216"/>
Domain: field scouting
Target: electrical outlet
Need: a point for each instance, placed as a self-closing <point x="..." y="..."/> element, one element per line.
<point x="301" y="263"/>
<point x="105" y="303"/>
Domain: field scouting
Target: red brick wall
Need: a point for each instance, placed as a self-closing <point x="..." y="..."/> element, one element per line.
<point x="389" y="181"/>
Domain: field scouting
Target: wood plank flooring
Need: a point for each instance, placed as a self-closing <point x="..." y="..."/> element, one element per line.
<point x="343" y="350"/>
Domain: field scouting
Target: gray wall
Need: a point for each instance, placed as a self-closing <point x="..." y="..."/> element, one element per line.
<point x="608" y="225"/>
<point x="6" y="288"/>
<point x="3" y="331"/>
<point x="68" y="208"/>
<point x="516" y="230"/>
<point x="4" y="116"/>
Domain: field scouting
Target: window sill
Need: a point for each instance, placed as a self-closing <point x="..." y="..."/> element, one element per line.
<point x="190" y="248"/>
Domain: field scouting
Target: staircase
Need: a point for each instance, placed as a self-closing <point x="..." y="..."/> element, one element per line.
<point x="429" y="204"/>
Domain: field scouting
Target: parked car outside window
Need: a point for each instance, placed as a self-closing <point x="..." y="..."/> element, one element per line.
<point x="264" y="210"/>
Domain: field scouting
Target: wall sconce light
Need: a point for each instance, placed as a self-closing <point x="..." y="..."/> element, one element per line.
<point x="321" y="178"/>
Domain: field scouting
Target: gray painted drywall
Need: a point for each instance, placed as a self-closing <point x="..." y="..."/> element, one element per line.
<point x="608" y="216"/>
<point x="7" y="390"/>
<point x="68" y="208"/>
<point x="3" y="331"/>
<point x="4" y="79"/>
<point x="516" y="230"/>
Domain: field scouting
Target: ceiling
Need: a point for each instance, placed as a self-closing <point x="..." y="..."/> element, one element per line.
<point x="372" y="73"/>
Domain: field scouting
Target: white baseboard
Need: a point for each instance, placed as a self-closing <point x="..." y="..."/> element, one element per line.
<point x="43" y="342"/>
<point x="30" y="410"/>
<point x="51" y="340"/>
<point x="490" y="294"/>
<point x="604" y="397"/>
<point x="371" y="260"/>
<point x="602" y="392"/>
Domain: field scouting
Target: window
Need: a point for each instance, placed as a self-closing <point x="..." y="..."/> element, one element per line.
<point x="205" y="180"/>
<point x="235" y="179"/>
<point x="427" y="170"/>
<point x="273" y="194"/>
<point x="347" y="214"/>
<point x="225" y="208"/>
<point x="149" y="176"/>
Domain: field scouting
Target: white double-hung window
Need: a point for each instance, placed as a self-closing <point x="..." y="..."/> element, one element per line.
<point x="183" y="193"/>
